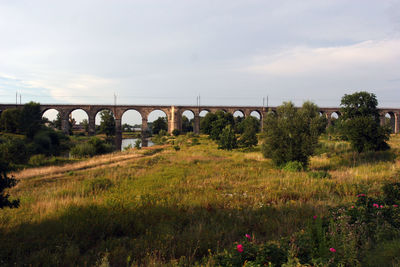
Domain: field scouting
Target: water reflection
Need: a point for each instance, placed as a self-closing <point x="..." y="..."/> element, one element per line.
<point x="131" y="141"/>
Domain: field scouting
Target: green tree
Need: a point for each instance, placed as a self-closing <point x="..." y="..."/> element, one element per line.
<point x="6" y="182"/>
<point x="57" y="122"/>
<point x="222" y="120"/>
<point x="206" y="122"/>
<point x="360" y="122"/>
<point x="292" y="133"/>
<point x="31" y="119"/>
<point x="160" y="124"/>
<point x="227" y="139"/>
<point x="9" y="120"/>
<point x="249" y="128"/>
<point x="107" y="123"/>
<point x="187" y="125"/>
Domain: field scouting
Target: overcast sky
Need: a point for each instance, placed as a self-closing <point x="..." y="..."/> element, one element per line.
<point x="230" y="52"/>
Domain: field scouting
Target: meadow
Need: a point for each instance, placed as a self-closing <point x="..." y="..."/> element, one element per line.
<point x="164" y="206"/>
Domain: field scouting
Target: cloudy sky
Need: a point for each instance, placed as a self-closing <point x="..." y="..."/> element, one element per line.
<point x="228" y="52"/>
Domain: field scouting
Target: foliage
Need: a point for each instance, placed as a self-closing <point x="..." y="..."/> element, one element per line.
<point x="292" y="134"/>
<point x="30" y="119"/>
<point x="96" y="185"/>
<point x="360" y="122"/>
<point x="95" y="146"/>
<point x="249" y="128"/>
<point x="6" y="182"/>
<point x="160" y="124"/>
<point x="223" y="119"/>
<point x="107" y="123"/>
<point x="227" y="139"/>
<point x="293" y="166"/>
<point x="138" y="143"/>
<point x="187" y="125"/>
<point x="14" y="149"/>
<point x="206" y="122"/>
<point x="9" y="120"/>
<point x="176" y="132"/>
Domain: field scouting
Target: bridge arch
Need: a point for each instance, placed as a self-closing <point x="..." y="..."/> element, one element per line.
<point x="390" y="119"/>
<point x="187" y="121"/>
<point x="154" y="115"/>
<point x="238" y="113"/>
<point x="130" y="118"/>
<point x="51" y="115"/>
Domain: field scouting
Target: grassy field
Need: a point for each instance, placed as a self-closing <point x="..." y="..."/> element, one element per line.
<point x="160" y="206"/>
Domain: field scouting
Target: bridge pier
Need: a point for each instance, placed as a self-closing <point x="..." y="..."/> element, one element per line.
<point x="396" y="122"/>
<point x="92" y="124"/>
<point x="196" y="124"/>
<point x="64" y="122"/>
<point x="118" y="134"/>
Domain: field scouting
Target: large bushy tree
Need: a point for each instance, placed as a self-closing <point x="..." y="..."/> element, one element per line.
<point x="10" y="120"/>
<point x="31" y="119"/>
<point x="107" y="123"/>
<point x="248" y="129"/>
<point x="160" y="124"/>
<point x="360" y="122"/>
<point x="291" y="134"/>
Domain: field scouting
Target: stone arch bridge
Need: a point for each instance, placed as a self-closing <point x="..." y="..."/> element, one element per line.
<point x="174" y="114"/>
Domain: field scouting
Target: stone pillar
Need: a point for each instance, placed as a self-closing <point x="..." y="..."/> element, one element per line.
<point x="196" y="126"/>
<point x="118" y="134"/>
<point x="144" y="131"/>
<point x="397" y="122"/>
<point x="173" y="119"/>
<point x="92" y="124"/>
<point x="64" y="122"/>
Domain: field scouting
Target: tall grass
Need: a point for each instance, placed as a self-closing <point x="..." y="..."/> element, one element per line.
<point x="158" y="206"/>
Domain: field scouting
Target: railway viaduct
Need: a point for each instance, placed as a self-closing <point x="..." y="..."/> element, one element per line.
<point x="174" y="114"/>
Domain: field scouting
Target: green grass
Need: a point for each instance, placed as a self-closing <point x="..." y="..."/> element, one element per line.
<point x="168" y="206"/>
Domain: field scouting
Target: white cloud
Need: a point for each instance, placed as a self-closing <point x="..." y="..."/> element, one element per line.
<point x="301" y="61"/>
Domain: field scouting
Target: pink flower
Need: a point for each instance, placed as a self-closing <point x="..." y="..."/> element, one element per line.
<point x="332" y="250"/>
<point x="381" y="206"/>
<point x="240" y="248"/>
<point x="315" y="217"/>
<point x="248" y="236"/>
<point x="361" y="195"/>
<point x="395" y="205"/>
<point x="352" y="207"/>
<point x="375" y="205"/>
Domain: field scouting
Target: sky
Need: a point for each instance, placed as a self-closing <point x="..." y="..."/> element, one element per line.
<point x="169" y="52"/>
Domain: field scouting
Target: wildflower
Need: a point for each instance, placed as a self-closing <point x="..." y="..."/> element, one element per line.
<point x="361" y="195"/>
<point x="395" y="205"/>
<point x="352" y="207"/>
<point x="248" y="236"/>
<point x="381" y="206"/>
<point x="315" y="217"/>
<point x="375" y="205"/>
<point x="240" y="248"/>
<point x="332" y="250"/>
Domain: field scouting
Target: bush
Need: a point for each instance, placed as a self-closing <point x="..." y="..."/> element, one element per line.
<point x="83" y="150"/>
<point x="227" y="139"/>
<point x="293" y="166"/>
<point x="177" y="148"/>
<point x="176" y="132"/>
<point x="37" y="160"/>
<point x="138" y="143"/>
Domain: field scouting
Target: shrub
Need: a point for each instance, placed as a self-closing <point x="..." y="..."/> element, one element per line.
<point x="293" y="166"/>
<point x="37" y="160"/>
<point x="177" y="148"/>
<point x="83" y="150"/>
<point x="138" y="143"/>
<point x="176" y="132"/>
<point x="227" y="139"/>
